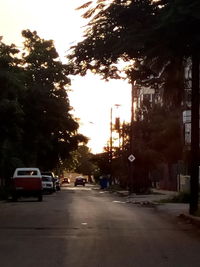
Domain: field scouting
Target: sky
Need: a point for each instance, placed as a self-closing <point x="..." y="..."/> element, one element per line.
<point x="90" y="96"/>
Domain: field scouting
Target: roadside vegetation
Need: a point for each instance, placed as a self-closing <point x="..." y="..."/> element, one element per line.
<point x="155" y="41"/>
<point x="179" y="198"/>
<point x="37" y="128"/>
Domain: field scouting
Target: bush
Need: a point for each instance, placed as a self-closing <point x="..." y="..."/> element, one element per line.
<point x="180" y="198"/>
<point x="115" y="187"/>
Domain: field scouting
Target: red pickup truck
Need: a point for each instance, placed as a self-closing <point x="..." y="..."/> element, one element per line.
<point x="26" y="182"/>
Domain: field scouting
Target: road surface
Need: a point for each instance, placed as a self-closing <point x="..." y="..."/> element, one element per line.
<point x="86" y="227"/>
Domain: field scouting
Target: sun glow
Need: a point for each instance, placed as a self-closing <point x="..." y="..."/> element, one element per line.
<point x="92" y="100"/>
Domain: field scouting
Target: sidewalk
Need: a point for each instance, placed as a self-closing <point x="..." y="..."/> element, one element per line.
<point x="152" y="200"/>
<point x="153" y="197"/>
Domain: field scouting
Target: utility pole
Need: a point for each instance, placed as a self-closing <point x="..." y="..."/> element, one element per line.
<point x="131" y="137"/>
<point x="111" y="147"/>
<point x="117" y="125"/>
<point x="123" y="135"/>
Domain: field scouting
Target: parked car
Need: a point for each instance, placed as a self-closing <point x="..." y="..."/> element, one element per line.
<point x="26" y="182"/>
<point x="79" y="181"/>
<point x="47" y="184"/>
<point x="49" y="173"/>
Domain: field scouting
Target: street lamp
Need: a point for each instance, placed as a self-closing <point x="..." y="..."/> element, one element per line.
<point x="131" y="157"/>
<point x="117" y="124"/>
<point x="110" y="150"/>
<point x="111" y="136"/>
<point x="117" y="119"/>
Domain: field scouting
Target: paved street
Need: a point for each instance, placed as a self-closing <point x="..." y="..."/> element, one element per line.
<point x="86" y="227"/>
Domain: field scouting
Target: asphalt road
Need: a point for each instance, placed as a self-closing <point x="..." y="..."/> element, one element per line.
<point x="84" y="227"/>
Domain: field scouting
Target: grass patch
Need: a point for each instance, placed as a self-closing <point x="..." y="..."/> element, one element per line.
<point x="198" y="213"/>
<point x="180" y="198"/>
<point x="115" y="187"/>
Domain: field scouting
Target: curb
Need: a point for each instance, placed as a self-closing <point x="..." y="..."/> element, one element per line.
<point x="122" y="193"/>
<point x="143" y="203"/>
<point x="191" y="219"/>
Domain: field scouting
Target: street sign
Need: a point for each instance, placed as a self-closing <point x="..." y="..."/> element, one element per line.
<point x="131" y="158"/>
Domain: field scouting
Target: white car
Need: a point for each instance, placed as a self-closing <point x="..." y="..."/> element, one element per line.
<point x="47" y="184"/>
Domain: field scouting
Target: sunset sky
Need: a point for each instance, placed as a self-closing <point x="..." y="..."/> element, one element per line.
<point x="90" y="97"/>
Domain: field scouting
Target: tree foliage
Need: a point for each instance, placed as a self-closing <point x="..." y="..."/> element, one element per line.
<point x="159" y="34"/>
<point x="155" y="37"/>
<point x="157" y="137"/>
<point x="47" y="103"/>
<point x="37" y="128"/>
<point x="12" y="114"/>
<point x="137" y="29"/>
<point x="84" y="161"/>
<point x="116" y="32"/>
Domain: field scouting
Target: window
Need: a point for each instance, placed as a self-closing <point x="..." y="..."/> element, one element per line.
<point x="27" y="172"/>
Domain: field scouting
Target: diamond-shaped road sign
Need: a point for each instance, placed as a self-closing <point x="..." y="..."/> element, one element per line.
<point x="131" y="158"/>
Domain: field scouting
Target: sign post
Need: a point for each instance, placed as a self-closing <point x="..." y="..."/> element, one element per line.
<point x="131" y="158"/>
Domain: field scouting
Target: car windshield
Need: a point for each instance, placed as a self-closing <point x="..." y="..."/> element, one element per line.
<point x="27" y="172"/>
<point x="46" y="179"/>
<point x="47" y="173"/>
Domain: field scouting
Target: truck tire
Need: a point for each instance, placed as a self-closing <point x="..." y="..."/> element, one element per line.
<point x="14" y="197"/>
<point x="40" y="197"/>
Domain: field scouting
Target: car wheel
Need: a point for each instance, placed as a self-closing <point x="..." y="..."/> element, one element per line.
<point x="40" y="198"/>
<point x="14" y="197"/>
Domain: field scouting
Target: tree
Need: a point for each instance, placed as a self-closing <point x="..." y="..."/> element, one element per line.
<point x="184" y="19"/>
<point x="37" y="128"/>
<point x="103" y="163"/>
<point x="81" y="161"/>
<point x="46" y="105"/>
<point x="146" y="30"/>
<point x="115" y="32"/>
<point x="12" y="115"/>
<point x="85" y="164"/>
